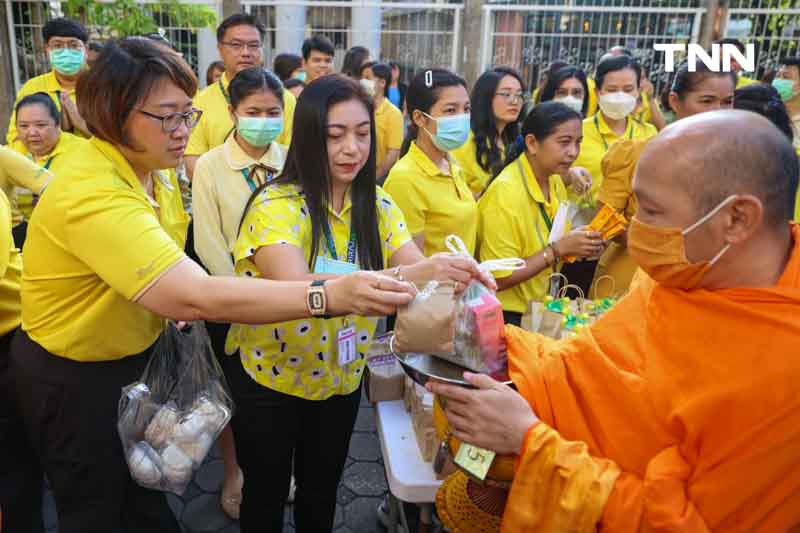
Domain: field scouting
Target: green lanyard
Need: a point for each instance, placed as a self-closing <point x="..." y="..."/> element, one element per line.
<point x="224" y="92"/>
<point x="351" y="245"/>
<point x="249" y="178"/>
<point x="47" y="165"/>
<point x="597" y="127"/>
<point x="547" y="221"/>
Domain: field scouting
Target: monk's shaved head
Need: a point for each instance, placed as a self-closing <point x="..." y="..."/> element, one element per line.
<point x="713" y="155"/>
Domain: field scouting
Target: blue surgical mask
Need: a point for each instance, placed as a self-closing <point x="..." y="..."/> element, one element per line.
<point x="259" y="131"/>
<point x="67" y="61"/>
<point x="451" y="132"/>
<point x="784" y="87"/>
<point x="300" y="76"/>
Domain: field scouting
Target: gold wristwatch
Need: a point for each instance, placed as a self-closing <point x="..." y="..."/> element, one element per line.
<point x="316" y="300"/>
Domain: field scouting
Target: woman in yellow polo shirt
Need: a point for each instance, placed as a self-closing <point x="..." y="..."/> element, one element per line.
<point x="426" y="183"/>
<point x="568" y="85"/>
<point x="39" y="130"/>
<point x="518" y="208"/>
<point x="690" y="93"/>
<point x="297" y="390"/>
<point x="496" y="103"/>
<point x="389" y="127"/>
<point x="224" y="179"/>
<point x="104" y="264"/>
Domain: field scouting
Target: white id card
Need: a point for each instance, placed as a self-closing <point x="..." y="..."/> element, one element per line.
<point x="346" y="342"/>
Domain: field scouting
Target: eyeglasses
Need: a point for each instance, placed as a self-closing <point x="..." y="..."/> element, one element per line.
<point x="237" y="46"/>
<point x="172" y="122"/>
<point x="512" y="98"/>
<point x="71" y="45"/>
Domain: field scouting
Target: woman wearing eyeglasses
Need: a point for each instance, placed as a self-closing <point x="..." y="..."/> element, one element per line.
<point x="497" y="101"/>
<point x="104" y="266"/>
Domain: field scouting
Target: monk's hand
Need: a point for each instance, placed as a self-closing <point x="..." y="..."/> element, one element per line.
<point x="580" y="180"/>
<point x="492" y="416"/>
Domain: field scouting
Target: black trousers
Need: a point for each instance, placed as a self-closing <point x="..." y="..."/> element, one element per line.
<point x="512" y="317"/>
<point x="270" y="428"/>
<point x="70" y="414"/>
<point x="21" y="479"/>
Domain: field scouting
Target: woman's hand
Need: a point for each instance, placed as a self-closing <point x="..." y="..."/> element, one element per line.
<point x="580" y="243"/>
<point x="579" y="180"/>
<point x="366" y="294"/>
<point x="493" y="416"/>
<point x="458" y="268"/>
<point x="73" y="118"/>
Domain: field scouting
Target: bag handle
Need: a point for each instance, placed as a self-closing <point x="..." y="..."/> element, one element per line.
<point x="563" y="292"/>
<point x="597" y="282"/>
<point x="456" y="246"/>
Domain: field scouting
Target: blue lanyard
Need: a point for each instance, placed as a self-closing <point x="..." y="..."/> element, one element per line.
<point x="249" y="178"/>
<point x="351" y="245"/>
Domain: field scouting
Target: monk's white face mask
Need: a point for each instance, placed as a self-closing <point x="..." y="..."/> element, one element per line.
<point x="661" y="252"/>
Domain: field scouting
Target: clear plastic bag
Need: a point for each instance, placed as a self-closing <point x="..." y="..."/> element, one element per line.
<point x="169" y="419"/>
<point x="478" y="338"/>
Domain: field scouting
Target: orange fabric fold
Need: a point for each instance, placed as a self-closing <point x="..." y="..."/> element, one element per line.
<point x="691" y="394"/>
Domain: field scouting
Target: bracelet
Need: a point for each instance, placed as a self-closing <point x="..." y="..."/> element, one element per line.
<point x="556" y="255"/>
<point x="398" y="274"/>
<point x="546" y="260"/>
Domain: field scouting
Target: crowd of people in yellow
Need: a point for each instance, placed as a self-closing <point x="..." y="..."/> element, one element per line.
<point x="287" y="208"/>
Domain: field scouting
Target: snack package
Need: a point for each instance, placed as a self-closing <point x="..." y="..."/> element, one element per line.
<point x="170" y="418"/>
<point x="385" y="377"/>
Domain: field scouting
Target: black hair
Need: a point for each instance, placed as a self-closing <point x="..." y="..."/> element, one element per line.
<point x="307" y="166"/>
<point x="291" y="83"/>
<point x="422" y="97"/>
<point x="482" y="120"/>
<point x="64" y="27"/>
<point x="791" y="62"/>
<point x="158" y="37"/>
<point x="240" y="19"/>
<point x="730" y="40"/>
<point x="554" y="67"/>
<point x="559" y="77"/>
<point x="353" y="59"/>
<point x="684" y="81"/>
<point x="621" y="49"/>
<point x="614" y="64"/>
<point x="94" y="46"/>
<point x="285" y="64"/>
<point x="215" y="65"/>
<point x="320" y="43"/>
<point x="541" y="122"/>
<point x="42" y="99"/>
<point x="254" y="80"/>
<point x="382" y="71"/>
<point x="765" y="100"/>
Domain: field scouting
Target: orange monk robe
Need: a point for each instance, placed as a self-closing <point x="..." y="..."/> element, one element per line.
<point x="676" y="411"/>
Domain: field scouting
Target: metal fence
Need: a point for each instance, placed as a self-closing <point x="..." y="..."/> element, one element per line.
<point x="25" y="19"/>
<point x="773" y="26"/>
<point x="415" y="35"/>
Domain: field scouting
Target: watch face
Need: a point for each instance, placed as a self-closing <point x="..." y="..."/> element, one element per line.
<point x="316" y="300"/>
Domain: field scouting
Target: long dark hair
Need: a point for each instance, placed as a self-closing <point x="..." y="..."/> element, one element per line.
<point x="764" y="100"/>
<point x="541" y="122"/>
<point x="254" y="80"/>
<point x="307" y="167"/>
<point x="560" y="76"/>
<point x="483" y="121"/>
<point x="423" y="95"/>
<point x="353" y="60"/>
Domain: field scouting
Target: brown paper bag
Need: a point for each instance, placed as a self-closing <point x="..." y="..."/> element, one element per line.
<point x="427" y="324"/>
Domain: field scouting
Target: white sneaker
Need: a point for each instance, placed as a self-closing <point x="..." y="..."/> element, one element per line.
<point x="292" y="490"/>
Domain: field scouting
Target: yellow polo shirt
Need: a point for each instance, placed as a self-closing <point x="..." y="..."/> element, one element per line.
<point x="433" y="203"/>
<point x="16" y="170"/>
<point x="45" y="83"/>
<point x="513" y="225"/>
<point x="221" y="186"/>
<point x="10" y="271"/>
<point x="466" y="156"/>
<point x="591" y="106"/>
<point x="389" y="130"/>
<point x="741" y="81"/>
<point x="299" y="357"/>
<point x="216" y="123"/>
<point x="95" y="243"/>
<point x="597" y="137"/>
<point x="52" y="162"/>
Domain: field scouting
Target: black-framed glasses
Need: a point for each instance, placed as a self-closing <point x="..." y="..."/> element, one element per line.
<point x="512" y="98"/>
<point x="172" y="122"/>
<point x="238" y="46"/>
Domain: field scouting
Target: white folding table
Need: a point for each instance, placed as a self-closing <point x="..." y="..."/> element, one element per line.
<point x="411" y="479"/>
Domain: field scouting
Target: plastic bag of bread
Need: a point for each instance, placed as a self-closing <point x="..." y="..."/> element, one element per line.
<point x="169" y="418"/>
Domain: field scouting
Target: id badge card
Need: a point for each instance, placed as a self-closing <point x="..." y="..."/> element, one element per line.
<point x="326" y="265"/>
<point x="475" y="461"/>
<point x="346" y="345"/>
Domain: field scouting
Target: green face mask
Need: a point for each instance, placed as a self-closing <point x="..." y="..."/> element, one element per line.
<point x="67" y="61"/>
<point x="784" y="87"/>
<point x="260" y="131"/>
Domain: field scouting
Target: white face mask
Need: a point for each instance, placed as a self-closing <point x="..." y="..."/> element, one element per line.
<point x="369" y="86"/>
<point x="618" y="105"/>
<point x="572" y="102"/>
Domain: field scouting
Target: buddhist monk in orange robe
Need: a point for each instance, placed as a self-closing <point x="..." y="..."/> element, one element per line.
<point x="679" y="410"/>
